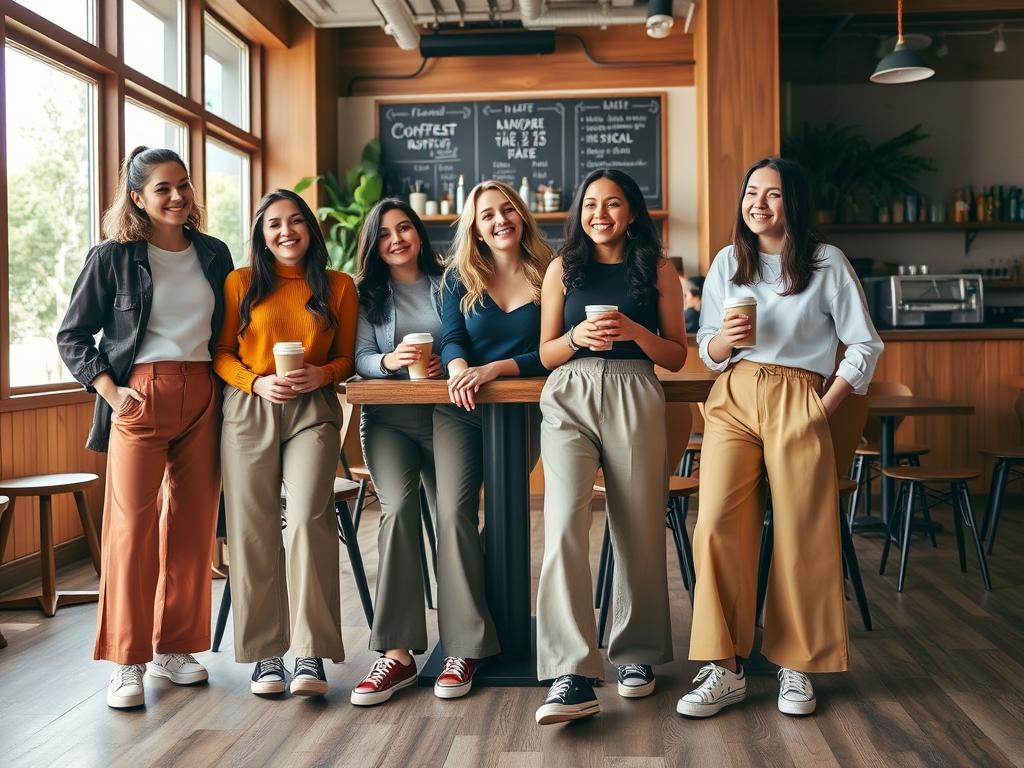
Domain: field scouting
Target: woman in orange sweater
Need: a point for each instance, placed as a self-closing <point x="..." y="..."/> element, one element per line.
<point x="284" y="429"/>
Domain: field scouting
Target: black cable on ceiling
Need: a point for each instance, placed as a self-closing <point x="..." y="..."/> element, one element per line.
<point x="596" y="63"/>
<point x="357" y="78"/>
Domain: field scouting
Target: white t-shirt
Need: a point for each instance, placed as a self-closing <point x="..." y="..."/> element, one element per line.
<point x="799" y="331"/>
<point x="180" y="319"/>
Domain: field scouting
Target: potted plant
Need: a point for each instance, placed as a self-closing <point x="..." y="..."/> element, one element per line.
<point x="840" y="163"/>
<point x="348" y="205"/>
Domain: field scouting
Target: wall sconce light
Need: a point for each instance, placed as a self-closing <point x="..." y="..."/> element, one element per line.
<point x="902" y="65"/>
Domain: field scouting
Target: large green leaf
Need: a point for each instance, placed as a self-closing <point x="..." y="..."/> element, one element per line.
<point x="370" y="162"/>
<point x="368" y="191"/>
<point x="305" y="183"/>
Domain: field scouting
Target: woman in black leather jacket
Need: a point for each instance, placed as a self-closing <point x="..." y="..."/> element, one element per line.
<point x="154" y="293"/>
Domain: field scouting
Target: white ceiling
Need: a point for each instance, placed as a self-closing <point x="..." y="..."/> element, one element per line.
<point x="363" y="13"/>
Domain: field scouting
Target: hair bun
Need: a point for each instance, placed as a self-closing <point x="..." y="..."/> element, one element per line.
<point x="137" y="151"/>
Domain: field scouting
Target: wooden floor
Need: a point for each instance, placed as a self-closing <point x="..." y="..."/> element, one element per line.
<point x="939" y="682"/>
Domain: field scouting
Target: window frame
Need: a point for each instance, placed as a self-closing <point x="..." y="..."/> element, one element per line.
<point x="116" y="82"/>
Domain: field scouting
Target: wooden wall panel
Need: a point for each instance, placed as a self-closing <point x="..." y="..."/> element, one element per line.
<point x="972" y="372"/>
<point x="737" y="77"/>
<point x="369" y="52"/>
<point x="41" y="441"/>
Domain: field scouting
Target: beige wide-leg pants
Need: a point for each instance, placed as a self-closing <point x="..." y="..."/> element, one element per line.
<point x="284" y="584"/>
<point x="769" y="418"/>
<point x="606" y="414"/>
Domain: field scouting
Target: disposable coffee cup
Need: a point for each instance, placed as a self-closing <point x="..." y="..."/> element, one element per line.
<point x="743" y="305"/>
<point x="288" y="356"/>
<point x="595" y="311"/>
<point x="425" y="343"/>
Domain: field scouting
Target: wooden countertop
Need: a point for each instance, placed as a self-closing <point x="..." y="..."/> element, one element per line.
<point x="679" y="387"/>
<point x="952" y="334"/>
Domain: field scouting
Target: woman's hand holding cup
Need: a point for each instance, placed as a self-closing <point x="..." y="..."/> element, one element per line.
<point x="735" y="328"/>
<point x="274" y="389"/>
<point x="403" y="356"/>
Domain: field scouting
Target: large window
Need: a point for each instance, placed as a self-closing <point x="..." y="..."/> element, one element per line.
<point x="59" y="95"/>
<point x="227" y="198"/>
<point x="51" y="206"/>
<point x="76" y="16"/>
<point x="226" y="86"/>
<point x="153" y="40"/>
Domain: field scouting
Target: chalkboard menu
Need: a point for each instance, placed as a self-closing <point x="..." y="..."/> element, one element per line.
<point x="558" y="140"/>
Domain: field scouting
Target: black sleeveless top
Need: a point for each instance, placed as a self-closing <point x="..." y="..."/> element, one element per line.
<point x="606" y="285"/>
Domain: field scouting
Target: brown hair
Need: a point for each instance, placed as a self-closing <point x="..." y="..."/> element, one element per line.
<point x="472" y="261"/>
<point x="124" y="221"/>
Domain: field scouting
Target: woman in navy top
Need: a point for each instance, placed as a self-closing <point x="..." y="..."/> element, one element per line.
<point x="604" y="409"/>
<point x="490" y="327"/>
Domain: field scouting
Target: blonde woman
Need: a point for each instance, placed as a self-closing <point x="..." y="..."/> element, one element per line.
<point x="490" y="327"/>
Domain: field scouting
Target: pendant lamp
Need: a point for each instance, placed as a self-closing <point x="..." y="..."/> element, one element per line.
<point x="902" y="65"/>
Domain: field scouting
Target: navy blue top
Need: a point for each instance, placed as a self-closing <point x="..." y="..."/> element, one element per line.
<point x="606" y="285"/>
<point x="488" y="333"/>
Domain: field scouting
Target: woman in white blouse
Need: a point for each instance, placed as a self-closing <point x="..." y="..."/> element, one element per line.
<point x="768" y="414"/>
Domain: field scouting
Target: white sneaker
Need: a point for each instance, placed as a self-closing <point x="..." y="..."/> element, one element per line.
<point x="179" y="668"/>
<point x="718" y="688"/>
<point x="796" y="694"/>
<point x="125" y="689"/>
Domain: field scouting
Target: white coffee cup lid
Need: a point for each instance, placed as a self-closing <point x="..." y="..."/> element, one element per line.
<point x="601" y="308"/>
<point x="288" y="347"/>
<point x="739" y="301"/>
<point x="417" y="338"/>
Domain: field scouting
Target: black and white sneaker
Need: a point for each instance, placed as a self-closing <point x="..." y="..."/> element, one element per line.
<point x="309" y="678"/>
<point x="636" y="681"/>
<point x="718" y="688"/>
<point x="268" y="676"/>
<point x="569" y="698"/>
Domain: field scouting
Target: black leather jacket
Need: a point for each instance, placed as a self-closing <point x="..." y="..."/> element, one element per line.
<point x="114" y="294"/>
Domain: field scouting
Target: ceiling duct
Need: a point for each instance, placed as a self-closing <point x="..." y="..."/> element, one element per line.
<point x="594" y="16"/>
<point x="530" y="9"/>
<point x="399" y="24"/>
<point x="487" y="44"/>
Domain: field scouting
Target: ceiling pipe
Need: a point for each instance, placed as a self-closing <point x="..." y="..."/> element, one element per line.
<point x="399" y="24"/>
<point x="530" y="9"/>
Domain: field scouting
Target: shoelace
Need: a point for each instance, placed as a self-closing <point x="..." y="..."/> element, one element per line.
<point x="307" y="666"/>
<point x="634" y="669"/>
<point x="181" y="658"/>
<point x="793" y="682"/>
<point x="128" y="674"/>
<point x="273" y="666"/>
<point x="381" y="668"/>
<point x="711" y="675"/>
<point x="560" y="687"/>
<point x="454" y="665"/>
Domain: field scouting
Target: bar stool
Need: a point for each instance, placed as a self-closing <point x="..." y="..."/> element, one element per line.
<point x="867" y="456"/>
<point x="679" y="419"/>
<point x="1004" y="472"/>
<point x="4" y="501"/>
<point x="344" y="491"/>
<point x="45" y="487"/>
<point x="913" y="482"/>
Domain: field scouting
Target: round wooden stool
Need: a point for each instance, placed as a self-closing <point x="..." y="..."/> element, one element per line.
<point x="913" y="480"/>
<point x="46" y="486"/>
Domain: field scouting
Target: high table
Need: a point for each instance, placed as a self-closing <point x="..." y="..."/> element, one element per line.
<point x="506" y="470"/>
<point x="887" y="408"/>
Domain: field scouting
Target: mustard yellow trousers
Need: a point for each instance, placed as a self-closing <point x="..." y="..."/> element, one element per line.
<point x="769" y="419"/>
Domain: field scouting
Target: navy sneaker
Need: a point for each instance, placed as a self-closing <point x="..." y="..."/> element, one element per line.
<point x="569" y="698"/>
<point x="636" y="681"/>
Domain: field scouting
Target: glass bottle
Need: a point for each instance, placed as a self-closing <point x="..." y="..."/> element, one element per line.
<point x="460" y="195"/>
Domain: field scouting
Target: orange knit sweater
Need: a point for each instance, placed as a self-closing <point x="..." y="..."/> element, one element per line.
<point x="282" y="316"/>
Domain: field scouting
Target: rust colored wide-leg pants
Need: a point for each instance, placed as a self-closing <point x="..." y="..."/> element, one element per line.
<point x="160" y="514"/>
<point x="769" y="418"/>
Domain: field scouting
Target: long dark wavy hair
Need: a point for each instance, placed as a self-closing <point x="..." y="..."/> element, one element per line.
<point x="263" y="279"/>
<point x="374" y="273"/>
<point x="800" y="259"/>
<point x="644" y="249"/>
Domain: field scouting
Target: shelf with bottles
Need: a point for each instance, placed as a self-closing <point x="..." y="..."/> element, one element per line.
<point x="971" y="229"/>
<point x="543" y="217"/>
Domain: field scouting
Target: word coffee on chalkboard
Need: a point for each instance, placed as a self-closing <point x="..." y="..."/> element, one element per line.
<point x="547" y="141"/>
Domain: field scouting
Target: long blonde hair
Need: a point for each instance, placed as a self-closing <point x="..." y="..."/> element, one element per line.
<point x="472" y="261"/>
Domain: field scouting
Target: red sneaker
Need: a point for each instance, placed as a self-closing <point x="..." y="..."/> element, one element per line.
<point x="456" y="678"/>
<point x="386" y="677"/>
